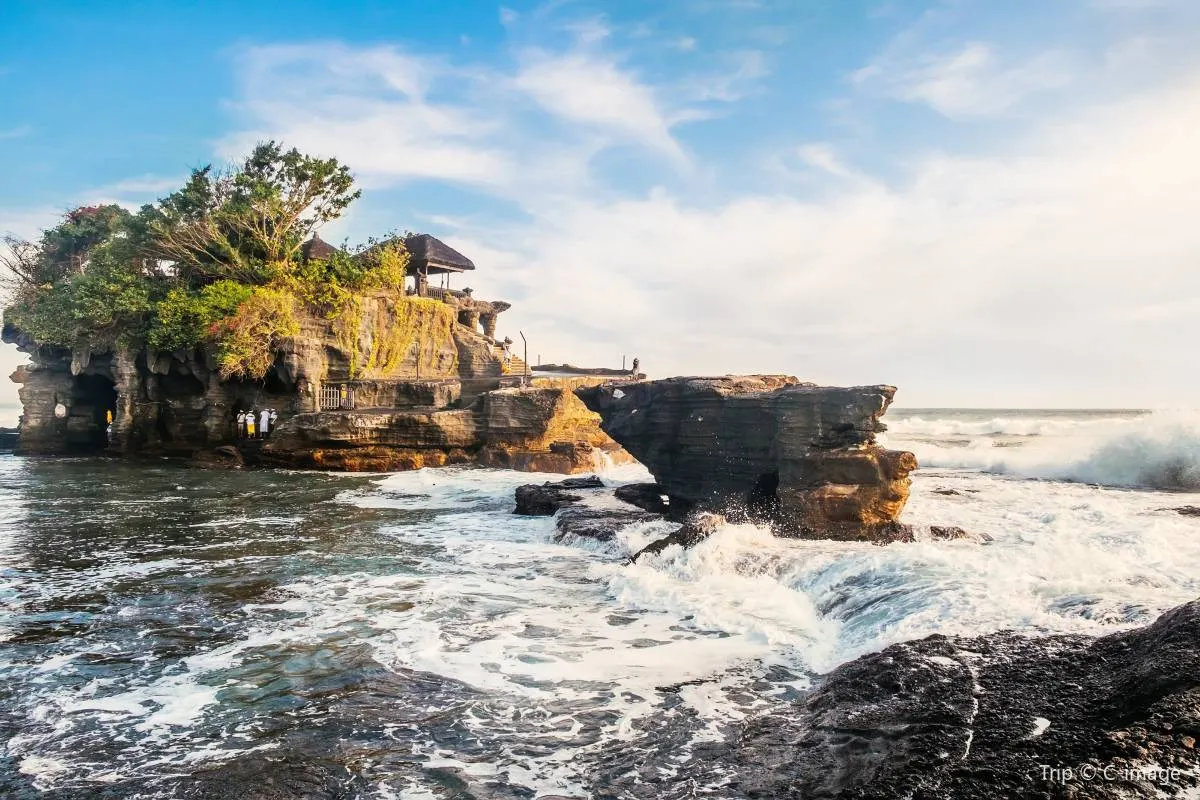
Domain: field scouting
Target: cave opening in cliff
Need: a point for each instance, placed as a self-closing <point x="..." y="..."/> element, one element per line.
<point x="763" y="501"/>
<point x="93" y="399"/>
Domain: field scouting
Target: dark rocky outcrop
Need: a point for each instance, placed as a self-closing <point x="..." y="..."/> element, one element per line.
<point x="1188" y="511"/>
<point x="224" y="457"/>
<point x="9" y="439"/>
<point x="766" y="448"/>
<point x="542" y="501"/>
<point x="646" y="496"/>
<point x="974" y="719"/>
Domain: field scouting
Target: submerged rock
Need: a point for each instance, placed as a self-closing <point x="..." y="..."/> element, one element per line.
<point x="597" y="524"/>
<point x="999" y="716"/>
<point x="765" y="448"/>
<point x="694" y="530"/>
<point x="223" y="457"/>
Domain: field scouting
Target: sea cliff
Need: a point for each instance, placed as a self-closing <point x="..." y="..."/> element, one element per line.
<point x="421" y="389"/>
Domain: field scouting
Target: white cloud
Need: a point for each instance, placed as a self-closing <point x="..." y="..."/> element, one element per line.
<point x="27" y="223"/>
<point x="508" y="17"/>
<point x="970" y="81"/>
<point x="590" y="31"/>
<point x="738" y="77"/>
<point x="1055" y="271"/>
<point x="597" y="93"/>
<point x="370" y="108"/>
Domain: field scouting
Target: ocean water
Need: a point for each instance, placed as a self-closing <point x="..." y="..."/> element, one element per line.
<point x="163" y="629"/>
<point x="10" y="415"/>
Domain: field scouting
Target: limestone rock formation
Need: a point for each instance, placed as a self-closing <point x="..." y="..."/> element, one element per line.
<point x="766" y="448"/>
<point x="537" y="429"/>
<point x="427" y="391"/>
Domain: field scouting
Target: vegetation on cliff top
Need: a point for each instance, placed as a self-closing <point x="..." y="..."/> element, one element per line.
<point x="216" y="263"/>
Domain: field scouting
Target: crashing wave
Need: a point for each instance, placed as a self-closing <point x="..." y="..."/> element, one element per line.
<point x="1156" y="451"/>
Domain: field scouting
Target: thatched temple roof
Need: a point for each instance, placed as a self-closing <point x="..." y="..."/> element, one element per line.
<point x="316" y="249"/>
<point x="431" y="255"/>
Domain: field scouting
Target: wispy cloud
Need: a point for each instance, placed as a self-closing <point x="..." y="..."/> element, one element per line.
<point x="369" y="106"/>
<point x="503" y="129"/>
<point x="27" y="223"/>
<point x="596" y="92"/>
<point x="969" y="81"/>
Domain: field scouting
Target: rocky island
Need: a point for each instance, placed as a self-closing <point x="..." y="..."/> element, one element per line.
<point x="767" y="449"/>
<point x="154" y="333"/>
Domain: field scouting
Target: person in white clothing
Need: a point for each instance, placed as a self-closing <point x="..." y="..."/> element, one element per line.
<point x="264" y="423"/>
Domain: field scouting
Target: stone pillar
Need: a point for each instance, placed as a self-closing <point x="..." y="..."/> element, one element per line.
<point x="128" y="384"/>
<point x="42" y="389"/>
<point x="489" y="324"/>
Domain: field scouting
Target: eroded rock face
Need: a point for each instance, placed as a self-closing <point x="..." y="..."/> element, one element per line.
<point x="523" y="429"/>
<point x="985" y="717"/>
<point x="767" y="448"/>
<point x="425" y="393"/>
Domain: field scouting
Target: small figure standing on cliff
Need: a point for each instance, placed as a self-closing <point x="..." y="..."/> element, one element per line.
<point x="264" y="423"/>
<point x="241" y="425"/>
<point x="506" y="346"/>
<point x="250" y="417"/>
<point x="274" y="418"/>
<point x="634" y="371"/>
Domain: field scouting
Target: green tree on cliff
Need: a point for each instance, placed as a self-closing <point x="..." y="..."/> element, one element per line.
<point x="248" y="223"/>
<point x="216" y="262"/>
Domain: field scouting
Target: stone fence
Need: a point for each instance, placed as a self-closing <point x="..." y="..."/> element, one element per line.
<point x="345" y="395"/>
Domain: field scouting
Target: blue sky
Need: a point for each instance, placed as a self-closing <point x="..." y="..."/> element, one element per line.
<point x="984" y="203"/>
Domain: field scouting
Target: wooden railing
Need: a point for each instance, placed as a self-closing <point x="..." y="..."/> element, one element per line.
<point x="336" y="396"/>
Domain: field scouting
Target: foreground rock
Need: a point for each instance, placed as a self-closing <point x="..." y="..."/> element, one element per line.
<point x="766" y="448"/>
<point x="1000" y="716"/>
<point x="539" y="501"/>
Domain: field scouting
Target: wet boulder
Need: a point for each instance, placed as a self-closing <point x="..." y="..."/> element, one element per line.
<point x="549" y="497"/>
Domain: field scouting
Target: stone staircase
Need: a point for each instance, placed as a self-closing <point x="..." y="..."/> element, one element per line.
<point x="516" y="365"/>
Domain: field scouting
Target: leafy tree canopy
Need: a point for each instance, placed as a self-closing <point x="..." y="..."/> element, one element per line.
<point x="217" y="261"/>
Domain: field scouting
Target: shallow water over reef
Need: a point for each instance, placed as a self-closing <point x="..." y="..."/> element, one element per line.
<point x="168" y="632"/>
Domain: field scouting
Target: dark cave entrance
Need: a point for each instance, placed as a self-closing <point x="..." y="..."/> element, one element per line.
<point x="93" y="402"/>
<point x="763" y="501"/>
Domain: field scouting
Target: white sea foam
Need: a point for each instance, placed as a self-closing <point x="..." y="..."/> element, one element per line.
<point x="547" y="631"/>
<point x="1160" y="450"/>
